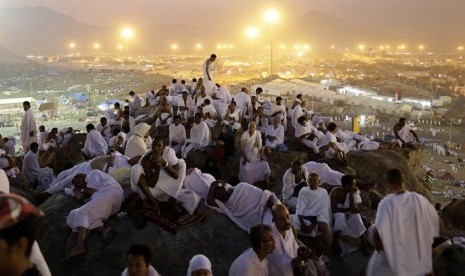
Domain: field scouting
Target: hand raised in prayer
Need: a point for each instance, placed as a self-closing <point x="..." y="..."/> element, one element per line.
<point x="304" y="253"/>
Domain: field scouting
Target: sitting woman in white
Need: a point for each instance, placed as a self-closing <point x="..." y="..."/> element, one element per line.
<point x="274" y="135"/>
<point x="177" y="135"/>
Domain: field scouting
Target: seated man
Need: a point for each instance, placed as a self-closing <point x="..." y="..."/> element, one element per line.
<point x="104" y="129"/>
<point x="297" y="113"/>
<point x="347" y="220"/>
<point x="244" y="204"/>
<point x="199" y="136"/>
<point x="274" y="135"/>
<point x="186" y="107"/>
<point x="95" y="144"/>
<point x="253" y="167"/>
<point x="159" y="176"/>
<point x="138" y="261"/>
<point x="287" y="256"/>
<point x="261" y="119"/>
<point x="253" y="262"/>
<point x="209" y="113"/>
<point x="277" y="109"/>
<point x="106" y="197"/>
<point x="307" y="134"/>
<point x="8" y="164"/>
<point x="233" y="116"/>
<point x="10" y="146"/>
<point x="177" y="135"/>
<point x="294" y="179"/>
<point x="31" y="167"/>
<point x="135" y="102"/>
<point x="330" y="146"/>
<point x="164" y="113"/>
<point x="404" y="134"/>
<point x="326" y="174"/>
<point x="313" y="214"/>
<point x="136" y="145"/>
<point x="128" y="123"/>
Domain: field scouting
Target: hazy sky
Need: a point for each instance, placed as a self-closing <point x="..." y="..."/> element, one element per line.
<point x="391" y="15"/>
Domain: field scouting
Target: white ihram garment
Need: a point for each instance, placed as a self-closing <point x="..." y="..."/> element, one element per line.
<point x="199" y="139"/>
<point x="327" y="175"/>
<point x="105" y="201"/>
<point x="289" y="185"/>
<point x="349" y="224"/>
<point x="256" y="169"/>
<point x="277" y="132"/>
<point x="95" y="144"/>
<point x="27" y="125"/>
<point x="177" y="133"/>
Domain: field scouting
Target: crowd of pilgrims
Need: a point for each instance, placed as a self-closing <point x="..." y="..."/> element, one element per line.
<point x="120" y="148"/>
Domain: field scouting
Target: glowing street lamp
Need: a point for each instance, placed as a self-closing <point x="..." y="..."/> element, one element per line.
<point x="127" y="33"/>
<point x="460" y="48"/>
<point x="198" y="46"/>
<point x="174" y="47"/>
<point x="252" y="32"/>
<point x="96" y="45"/>
<point x="72" y="45"/>
<point x="271" y="16"/>
<point x="120" y="47"/>
<point x="421" y="47"/>
<point x="361" y="47"/>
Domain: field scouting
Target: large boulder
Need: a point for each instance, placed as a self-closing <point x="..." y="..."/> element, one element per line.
<point x="454" y="214"/>
<point x="375" y="164"/>
<point x="216" y="237"/>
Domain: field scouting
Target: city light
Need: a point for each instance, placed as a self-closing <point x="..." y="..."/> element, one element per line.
<point x="306" y="47"/>
<point x="460" y="48"/>
<point x="271" y="16"/>
<point x="127" y="33"/>
<point x="381" y="47"/>
<point x="198" y="46"/>
<point x="252" y="32"/>
<point x="282" y="46"/>
<point x="297" y="46"/>
<point x="96" y="45"/>
<point x="361" y="47"/>
<point x="120" y="47"/>
<point x="72" y="45"/>
<point x="421" y="47"/>
<point x="174" y="47"/>
<point x="219" y="46"/>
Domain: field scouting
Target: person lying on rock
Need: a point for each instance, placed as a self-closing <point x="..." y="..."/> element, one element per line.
<point x="105" y="198"/>
<point x="244" y="204"/>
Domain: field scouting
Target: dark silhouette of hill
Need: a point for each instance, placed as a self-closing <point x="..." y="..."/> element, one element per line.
<point x="40" y="30"/>
<point x="7" y="56"/>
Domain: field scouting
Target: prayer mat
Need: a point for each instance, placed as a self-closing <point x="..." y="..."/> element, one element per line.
<point x="168" y="219"/>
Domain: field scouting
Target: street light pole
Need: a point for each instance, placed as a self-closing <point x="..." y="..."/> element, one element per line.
<point x="271" y="49"/>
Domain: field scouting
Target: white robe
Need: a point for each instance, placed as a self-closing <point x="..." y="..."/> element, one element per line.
<point x="248" y="264"/>
<point x="407" y="224"/>
<point x="106" y="134"/>
<point x="132" y="125"/>
<point x="244" y="103"/>
<point x="63" y="179"/>
<point x="42" y="137"/>
<point x="165" y="116"/>
<point x="177" y="133"/>
<point x="10" y="148"/>
<point x="151" y="272"/>
<point x="95" y="145"/>
<point x="234" y="119"/>
<point x="256" y="169"/>
<point x="31" y="167"/>
<point x="27" y="125"/>
<point x="331" y="138"/>
<point x="278" y="108"/>
<point x="166" y="183"/>
<point x="285" y="249"/>
<point x="246" y="206"/>
<point x="349" y="224"/>
<point x="296" y="114"/>
<point x="210" y="70"/>
<point x="104" y="202"/>
<point x="199" y="182"/>
<point x="405" y="134"/>
<point x="189" y="113"/>
<point x="327" y="175"/>
<point x="211" y="122"/>
<point x="289" y="185"/>
<point x="199" y="138"/>
<point x="307" y="129"/>
<point x="312" y="203"/>
<point x="277" y="132"/>
<point x="136" y="145"/>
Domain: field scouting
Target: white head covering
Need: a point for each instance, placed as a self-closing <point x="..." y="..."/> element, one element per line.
<point x="123" y="136"/>
<point x="199" y="262"/>
<point x="141" y="129"/>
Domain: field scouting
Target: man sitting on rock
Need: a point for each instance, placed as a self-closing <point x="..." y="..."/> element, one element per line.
<point x="138" y="261"/>
<point x="253" y="262"/>
<point x="404" y="134"/>
<point x="253" y="167"/>
<point x="244" y="204"/>
<point x="199" y="136"/>
<point x="106" y="197"/>
<point x="164" y="113"/>
<point x="136" y="145"/>
<point x="177" y="135"/>
<point x="307" y="134"/>
<point x="287" y="256"/>
<point x="347" y="219"/>
<point x="274" y="135"/>
<point x="95" y="144"/>
<point x="294" y="179"/>
<point x="313" y="214"/>
<point x="159" y="176"/>
<point x="330" y="146"/>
